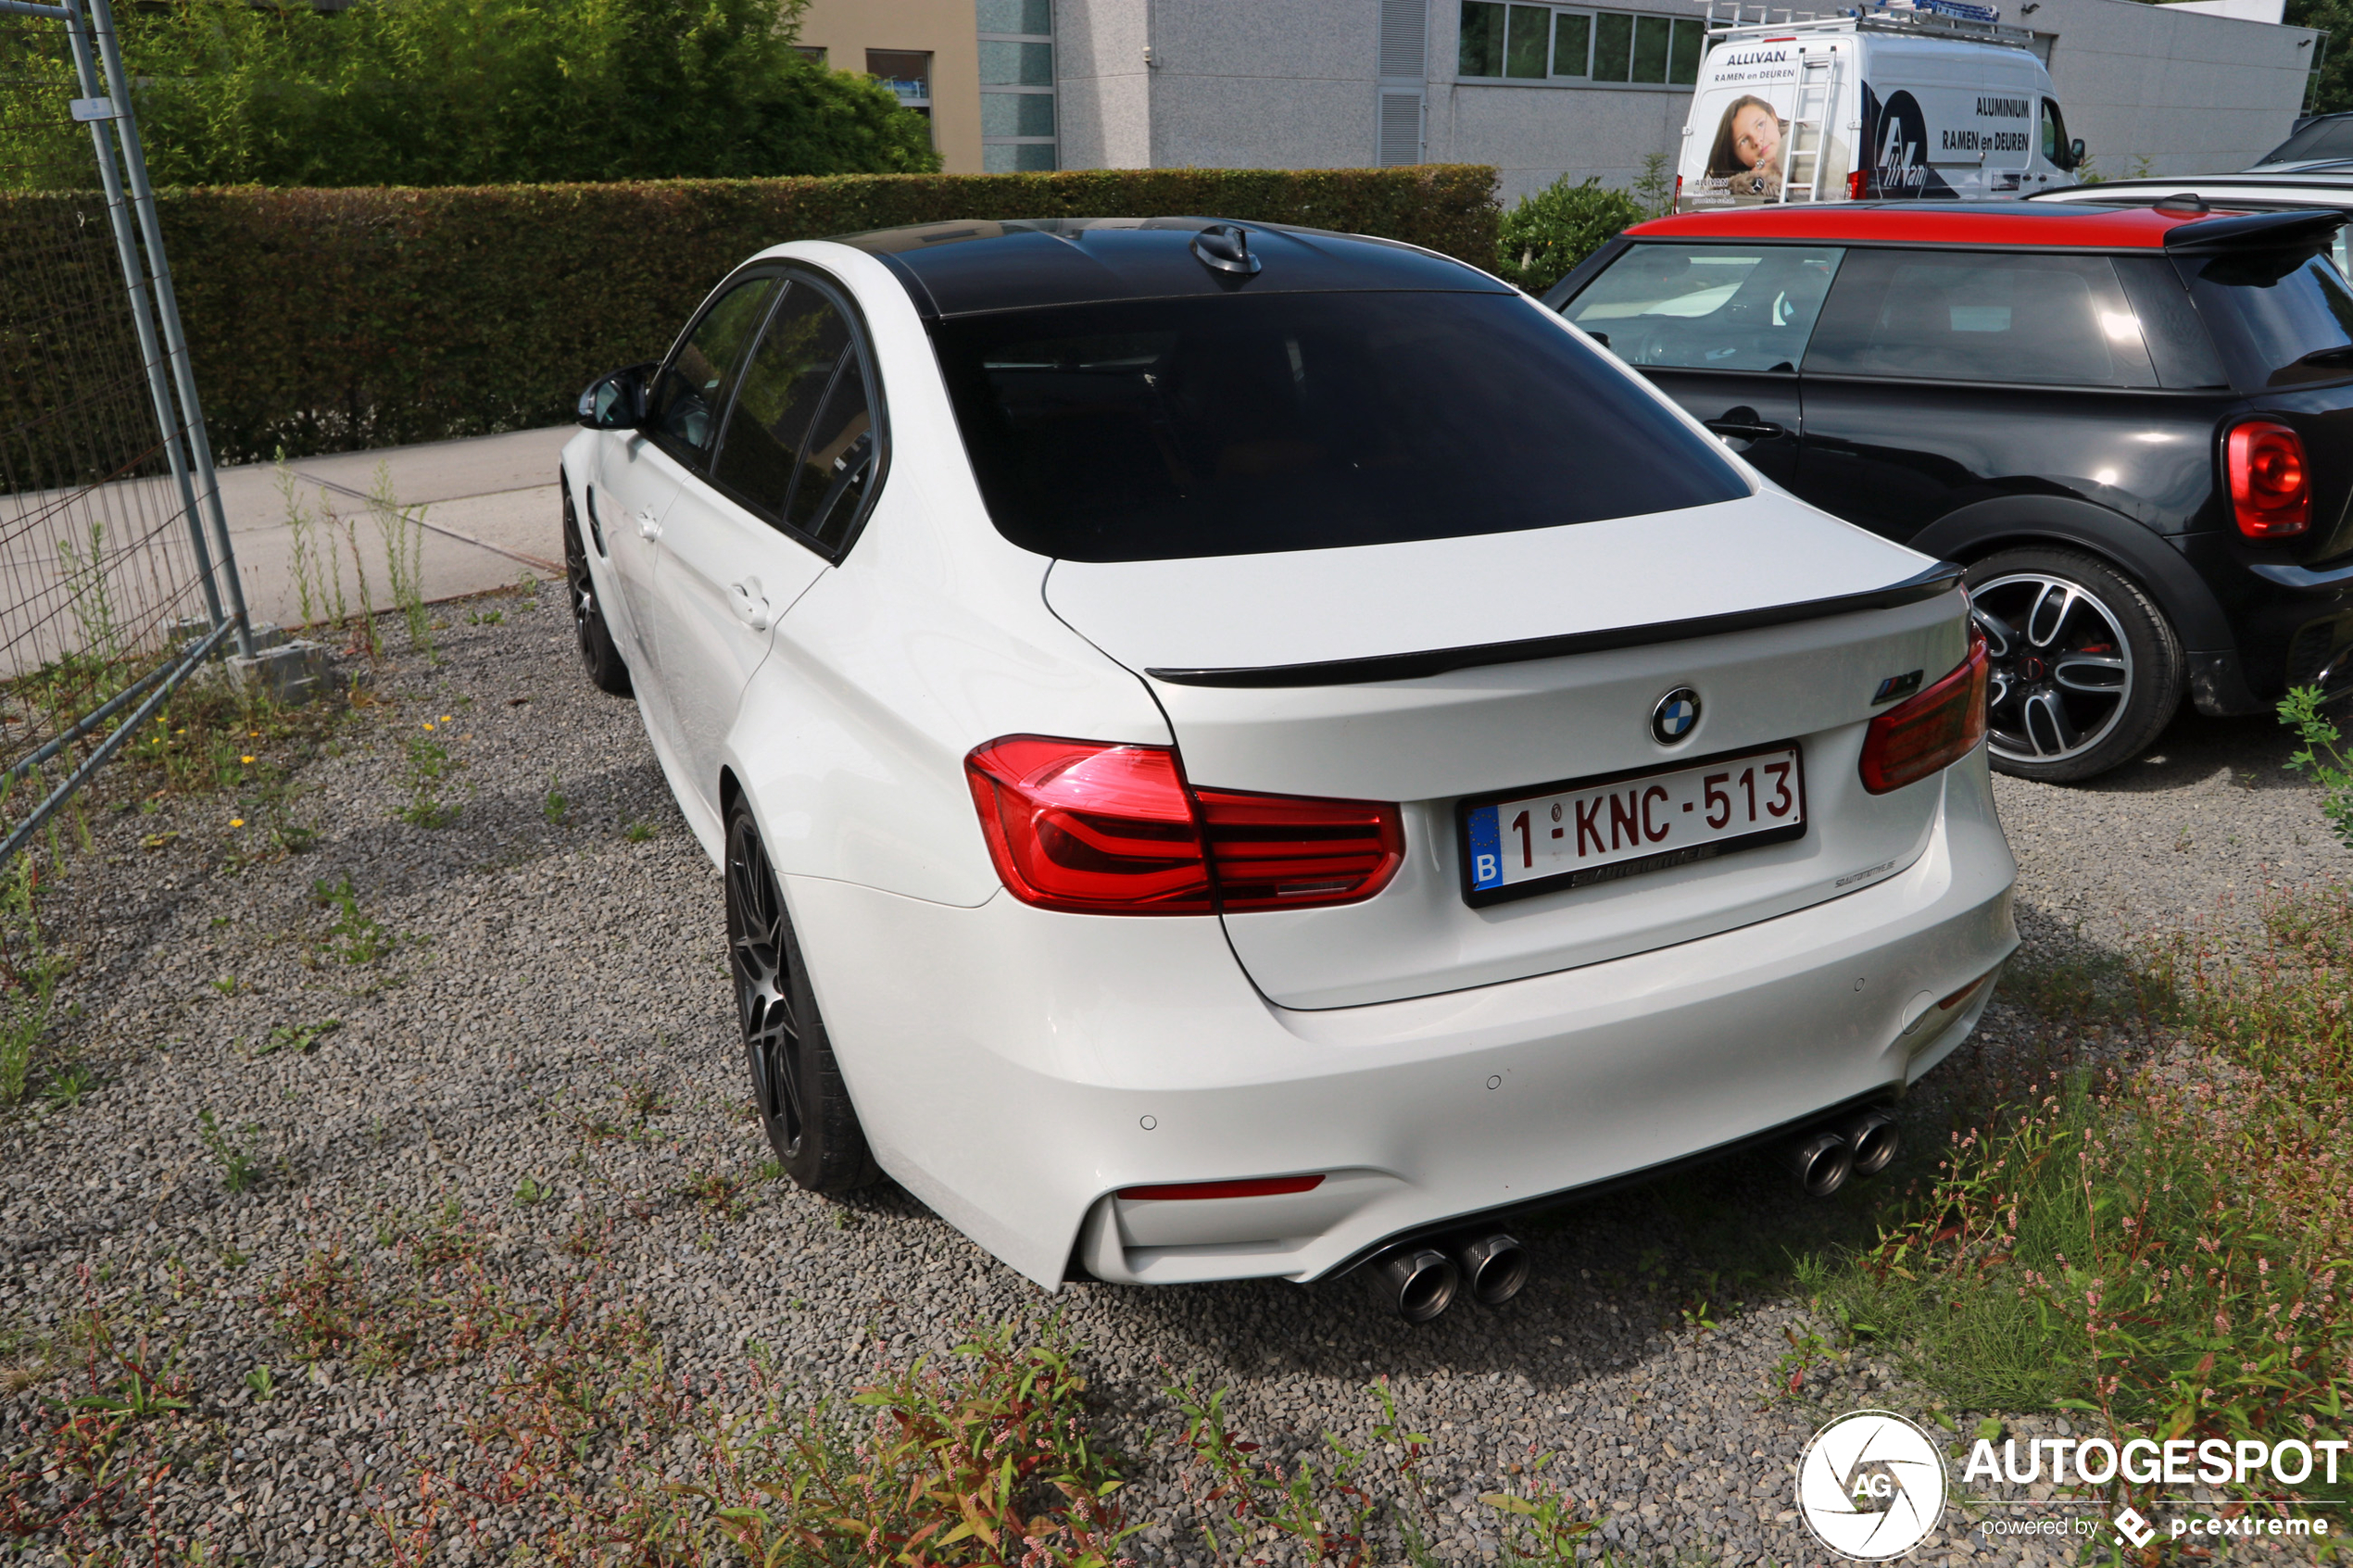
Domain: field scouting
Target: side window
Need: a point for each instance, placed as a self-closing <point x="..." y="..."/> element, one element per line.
<point x="691" y="392"/>
<point x="800" y="447"/>
<point x="2052" y="320"/>
<point x="1722" y="307"/>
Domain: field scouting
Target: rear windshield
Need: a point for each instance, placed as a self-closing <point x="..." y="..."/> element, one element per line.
<point x="1159" y="430"/>
<point x="2281" y="319"/>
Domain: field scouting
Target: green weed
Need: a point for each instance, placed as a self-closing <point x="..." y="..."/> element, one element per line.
<point x="2319" y="756"/>
<point x="352" y="936"/>
<point x="638" y="833"/>
<point x="556" y="806"/>
<point x="29" y="970"/>
<point x="402" y="529"/>
<point x="231" y="1151"/>
<point x="297" y="1037"/>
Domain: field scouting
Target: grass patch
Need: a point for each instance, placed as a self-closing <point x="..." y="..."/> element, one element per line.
<point x="2163" y="1251"/>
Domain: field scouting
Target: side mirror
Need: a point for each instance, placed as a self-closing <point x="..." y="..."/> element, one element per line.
<point x="617" y="401"/>
<point x="2075" y="153"/>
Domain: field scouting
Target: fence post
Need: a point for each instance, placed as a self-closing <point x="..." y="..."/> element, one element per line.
<point x="127" y="249"/>
<point x="175" y="341"/>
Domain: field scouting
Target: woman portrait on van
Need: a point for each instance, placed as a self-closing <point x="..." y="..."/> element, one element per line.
<point x="1748" y="148"/>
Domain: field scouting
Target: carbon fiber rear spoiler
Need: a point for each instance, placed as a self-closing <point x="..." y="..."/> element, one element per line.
<point x="2253" y="231"/>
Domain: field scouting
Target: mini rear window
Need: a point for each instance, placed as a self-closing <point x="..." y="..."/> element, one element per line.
<point x="1160" y="429"/>
<point x="2281" y="318"/>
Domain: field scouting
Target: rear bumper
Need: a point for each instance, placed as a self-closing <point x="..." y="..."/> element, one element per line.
<point x="1015" y="1068"/>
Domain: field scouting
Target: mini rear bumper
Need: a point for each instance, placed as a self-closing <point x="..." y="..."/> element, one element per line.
<point x="1016" y="1068"/>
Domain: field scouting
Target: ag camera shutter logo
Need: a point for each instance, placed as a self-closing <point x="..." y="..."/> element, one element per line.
<point x="1870" y="1485"/>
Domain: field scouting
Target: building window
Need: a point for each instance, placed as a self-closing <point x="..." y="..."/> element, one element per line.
<point x="1017" y="85"/>
<point x="1509" y="42"/>
<point x="907" y="73"/>
<point x="814" y="52"/>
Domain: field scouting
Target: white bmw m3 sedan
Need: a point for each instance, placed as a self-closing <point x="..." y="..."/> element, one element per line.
<point x="1240" y="752"/>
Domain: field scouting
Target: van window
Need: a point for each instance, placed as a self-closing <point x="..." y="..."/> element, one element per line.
<point x="2051" y="320"/>
<point x="1717" y="307"/>
<point x="2054" y="135"/>
<point x="1170" y="429"/>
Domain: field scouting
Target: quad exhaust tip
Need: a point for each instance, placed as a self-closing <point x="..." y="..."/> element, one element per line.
<point x="1821" y="1160"/>
<point x="1875" y="1140"/>
<point x="1416" y="1281"/>
<point x="1496" y="1267"/>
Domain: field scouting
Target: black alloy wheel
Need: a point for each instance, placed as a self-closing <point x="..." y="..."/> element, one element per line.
<point x="804" y="1107"/>
<point x="597" y="656"/>
<point x="2086" y="670"/>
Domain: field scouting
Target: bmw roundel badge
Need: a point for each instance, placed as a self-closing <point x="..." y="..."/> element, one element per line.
<point x="1676" y="716"/>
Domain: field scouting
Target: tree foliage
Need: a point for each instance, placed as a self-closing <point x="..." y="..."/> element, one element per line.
<point x="425" y="93"/>
<point x="2334" y="91"/>
<point x="1559" y="226"/>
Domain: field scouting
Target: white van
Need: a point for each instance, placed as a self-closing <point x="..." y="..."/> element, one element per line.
<point x="1930" y="99"/>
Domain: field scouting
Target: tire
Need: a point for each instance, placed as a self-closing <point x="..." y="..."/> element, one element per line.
<point x="606" y="668"/>
<point x="2086" y="668"/>
<point x="796" y="1082"/>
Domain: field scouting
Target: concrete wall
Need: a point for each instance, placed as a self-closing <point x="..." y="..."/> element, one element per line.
<point x="947" y="30"/>
<point x="2191" y="92"/>
<point x="1290" y="83"/>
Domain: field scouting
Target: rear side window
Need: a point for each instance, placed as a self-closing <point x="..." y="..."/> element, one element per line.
<point x="1719" y="308"/>
<point x="2281" y="319"/>
<point x="2049" y="321"/>
<point x="1158" y="430"/>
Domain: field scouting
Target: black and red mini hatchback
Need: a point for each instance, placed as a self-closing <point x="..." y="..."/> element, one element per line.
<point x="2133" y="426"/>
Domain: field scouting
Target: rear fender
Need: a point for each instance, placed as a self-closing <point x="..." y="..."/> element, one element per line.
<point x="2148" y="558"/>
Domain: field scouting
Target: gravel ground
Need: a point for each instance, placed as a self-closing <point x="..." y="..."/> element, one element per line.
<point x="549" y="1022"/>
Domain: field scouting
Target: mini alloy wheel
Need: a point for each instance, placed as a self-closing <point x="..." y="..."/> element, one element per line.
<point x="2086" y="670"/>
<point x="796" y="1082"/>
<point x="598" y="657"/>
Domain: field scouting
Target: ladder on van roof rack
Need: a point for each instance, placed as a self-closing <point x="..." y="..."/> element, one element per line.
<point x="1809" y="123"/>
<point x="1932" y="19"/>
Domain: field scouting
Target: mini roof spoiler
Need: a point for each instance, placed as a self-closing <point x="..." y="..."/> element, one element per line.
<point x="2253" y="231"/>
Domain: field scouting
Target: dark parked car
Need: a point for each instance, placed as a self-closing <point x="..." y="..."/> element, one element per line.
<point x="2133" y="426"/>
<point x="2323" y="137"/>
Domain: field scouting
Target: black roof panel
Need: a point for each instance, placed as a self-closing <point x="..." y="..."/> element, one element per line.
<point x="966" y="268"/>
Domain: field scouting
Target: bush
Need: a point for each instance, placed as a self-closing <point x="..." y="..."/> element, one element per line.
<point x="480" y="92"/>
<point x="325" y="320"/>
<point x="1551" y="232"/>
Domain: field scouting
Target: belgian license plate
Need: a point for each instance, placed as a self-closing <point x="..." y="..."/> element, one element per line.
<point x="1626" y="824"/>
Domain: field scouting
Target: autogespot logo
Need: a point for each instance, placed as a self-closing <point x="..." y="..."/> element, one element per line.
<point x="1870" y="1485"/>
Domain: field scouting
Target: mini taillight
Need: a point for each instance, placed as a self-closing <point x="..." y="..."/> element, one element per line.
<point x="1859" y="184"/>
<point x="2271" y="486"/>
<point x="1929" y="733"/>
<point x="1100" y="829"/>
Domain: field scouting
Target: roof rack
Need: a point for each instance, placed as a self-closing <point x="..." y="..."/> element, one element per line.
<point x="1937" y="18"/>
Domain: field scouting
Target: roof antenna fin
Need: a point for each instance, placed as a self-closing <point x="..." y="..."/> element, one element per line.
<point x="1225" y="248"/>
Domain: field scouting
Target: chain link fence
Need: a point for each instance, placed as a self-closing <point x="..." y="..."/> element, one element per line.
<point x="116" y="576"/>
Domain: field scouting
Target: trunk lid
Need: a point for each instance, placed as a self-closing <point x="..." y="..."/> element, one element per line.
<point x="1429" y="672"/>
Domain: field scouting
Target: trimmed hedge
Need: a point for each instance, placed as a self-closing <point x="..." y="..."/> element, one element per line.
<point x="331" y="319"/>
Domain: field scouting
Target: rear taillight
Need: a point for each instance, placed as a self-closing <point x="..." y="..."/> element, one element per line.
<point x="1859" y="184"/>
<point x="1929" y="733"/>
<point x="1100" y="829"/>
<point x="2270" y="485"/>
